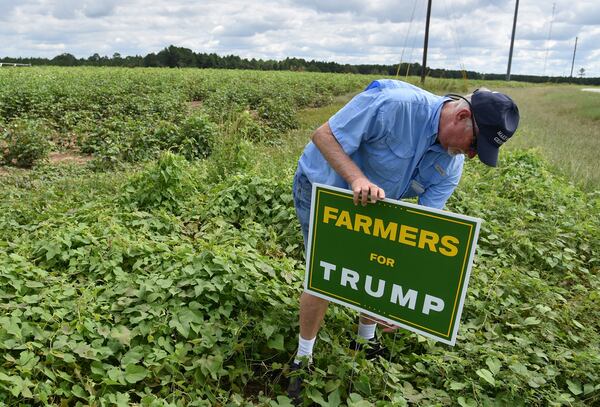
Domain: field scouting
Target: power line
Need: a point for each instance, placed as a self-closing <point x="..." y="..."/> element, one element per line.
<point x="454" y="36"/>
<point x="412" y="47"/>
<point x="412" y="16"/>
<point x="549" y="37"/>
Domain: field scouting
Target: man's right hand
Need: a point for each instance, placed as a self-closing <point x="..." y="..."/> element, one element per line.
<point x="365" y="191"/>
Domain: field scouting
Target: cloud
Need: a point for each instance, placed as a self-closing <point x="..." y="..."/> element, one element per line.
<point x="96" y="8"/>
<point x="244" y="27"/>
<point x="581" y="12"/>
<point x="332" y="6"/>
<point x="6" y="9"/>
<point x="473" y="33"/>
<point x="72" y="9"/>
<point x="9" y="8"/>
<point x="65" y="9"/>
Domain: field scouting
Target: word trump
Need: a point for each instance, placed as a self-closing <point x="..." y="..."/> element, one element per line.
<point x="408" y="235"/>
<point x="408" y="299"/>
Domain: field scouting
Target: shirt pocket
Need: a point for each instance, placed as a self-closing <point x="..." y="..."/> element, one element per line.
<point x="391" y="161"/>
<point x="430" y="173"/>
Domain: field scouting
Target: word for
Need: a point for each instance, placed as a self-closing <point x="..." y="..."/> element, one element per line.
<point x="408" y="299"/>
<point x="388" y="261"/>
<point x="404" y="234"/>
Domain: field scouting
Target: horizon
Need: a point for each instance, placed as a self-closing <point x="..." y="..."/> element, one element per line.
<point x="86" y="58"/>
<point x="473" y="35"/>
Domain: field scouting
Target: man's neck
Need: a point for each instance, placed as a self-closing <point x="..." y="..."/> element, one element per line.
<point x="445" y="119"/>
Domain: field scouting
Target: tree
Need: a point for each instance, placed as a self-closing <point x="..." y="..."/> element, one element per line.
<point x="94" y="58"/>
<point x="173" y="56"/>
<point x="65" y="59"/>
<point x="581" y="72"/>
<point x="151" y="60"/>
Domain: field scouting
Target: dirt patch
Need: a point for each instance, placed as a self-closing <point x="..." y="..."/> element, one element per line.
<point x="195" y="104"/>
<point x="68" y="158"/>
<point x="64" y="157"/>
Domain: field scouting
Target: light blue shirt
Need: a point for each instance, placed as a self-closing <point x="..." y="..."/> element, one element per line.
<point x="390" y="132"/>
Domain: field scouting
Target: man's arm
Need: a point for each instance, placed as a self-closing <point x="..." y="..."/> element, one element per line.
<point x="331" y="149"/>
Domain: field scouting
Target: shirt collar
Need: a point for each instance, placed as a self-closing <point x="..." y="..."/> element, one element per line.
<point x="435" y="121"/>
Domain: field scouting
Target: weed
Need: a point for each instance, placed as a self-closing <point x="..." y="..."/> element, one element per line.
<point x="23" y="142"/>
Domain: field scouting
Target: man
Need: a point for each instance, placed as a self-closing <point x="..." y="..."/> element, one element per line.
<point x="398" y="141"/>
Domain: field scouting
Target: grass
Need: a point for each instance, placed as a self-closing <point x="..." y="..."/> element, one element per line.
<point x="563" y="123"/>
<point x="285" y="152"/>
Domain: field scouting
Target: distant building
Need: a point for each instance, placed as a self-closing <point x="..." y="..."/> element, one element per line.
<point x="12" y="64"/>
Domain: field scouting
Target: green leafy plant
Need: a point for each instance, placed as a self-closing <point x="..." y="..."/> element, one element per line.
<point x="196" y="138"/>
<point x="278" y="113"/>
<point x="232" y="153"/>
<point x="24" y="142"/>
<point x="248" y="127"/>
<point x="164" y="184"/>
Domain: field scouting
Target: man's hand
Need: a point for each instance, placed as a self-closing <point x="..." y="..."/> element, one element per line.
<point x="364" y="190"/>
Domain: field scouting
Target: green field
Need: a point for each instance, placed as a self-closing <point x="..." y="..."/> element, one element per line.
<point x="563" y="123"/>
<point x="157" y="261"/>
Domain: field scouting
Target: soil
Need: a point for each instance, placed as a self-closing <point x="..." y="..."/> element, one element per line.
<point x="68" y="157"/>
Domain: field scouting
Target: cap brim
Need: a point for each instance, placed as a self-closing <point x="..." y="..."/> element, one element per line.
<point x="486" y="151"/>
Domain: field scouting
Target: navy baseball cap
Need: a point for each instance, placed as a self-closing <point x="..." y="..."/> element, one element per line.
<point x="497" y="118"/>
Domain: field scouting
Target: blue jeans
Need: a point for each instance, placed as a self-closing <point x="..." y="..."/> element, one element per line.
<point x="302" y="190"/>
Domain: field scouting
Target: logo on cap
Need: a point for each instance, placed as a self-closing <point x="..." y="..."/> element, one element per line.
<point x="500" y="138"/>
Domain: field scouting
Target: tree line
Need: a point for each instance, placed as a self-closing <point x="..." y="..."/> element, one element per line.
<point x="180" y="57"/>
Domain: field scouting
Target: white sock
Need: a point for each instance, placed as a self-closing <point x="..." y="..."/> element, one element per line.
<point x="366" y="331"/>
<point x="305" y="348"/>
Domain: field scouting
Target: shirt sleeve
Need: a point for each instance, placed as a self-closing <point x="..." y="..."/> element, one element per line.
<point x="358" y="121"/>
<point x="436" y="195"/>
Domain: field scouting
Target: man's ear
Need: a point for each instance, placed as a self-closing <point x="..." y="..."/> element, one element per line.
<point x="463" y="114"/>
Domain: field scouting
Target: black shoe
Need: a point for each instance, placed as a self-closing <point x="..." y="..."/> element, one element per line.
<point x="294" y="390"/>
<point x="372" y="348"/>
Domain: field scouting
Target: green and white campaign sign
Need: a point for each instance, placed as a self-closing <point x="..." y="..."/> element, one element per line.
<point x="406" y="264"/>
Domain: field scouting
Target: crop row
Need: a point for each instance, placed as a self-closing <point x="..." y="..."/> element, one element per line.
<point x="131" y="115"/>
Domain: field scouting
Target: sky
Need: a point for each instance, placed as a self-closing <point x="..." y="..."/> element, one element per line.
<point x="464" y="34"/>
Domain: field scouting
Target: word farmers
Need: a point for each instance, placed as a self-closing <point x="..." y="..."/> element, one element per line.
<point x="423" y="239"/>
<point x="397" y="295"/>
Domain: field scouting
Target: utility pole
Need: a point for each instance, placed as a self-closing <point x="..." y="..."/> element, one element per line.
<point x="573" y="63"/>
<point x="426" y="42"/>
<point x="512" y="41"/>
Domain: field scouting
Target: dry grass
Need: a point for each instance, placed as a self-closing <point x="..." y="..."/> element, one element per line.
<point x="68" y="157"/>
